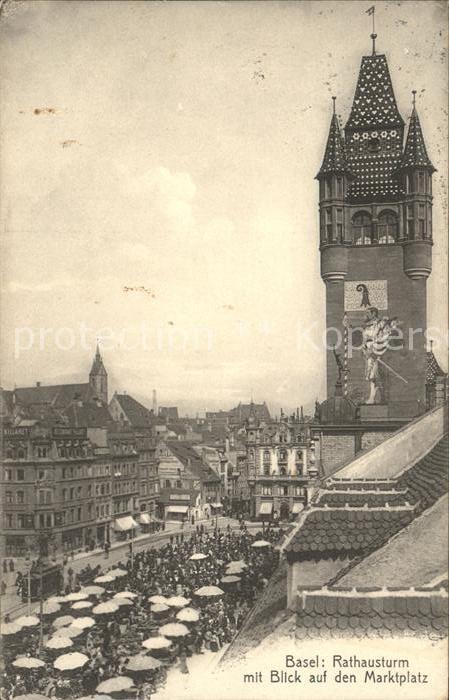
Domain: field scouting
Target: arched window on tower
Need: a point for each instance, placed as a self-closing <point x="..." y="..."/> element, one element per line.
<point x="362" y="233"/>
<point x="388" y="227"/>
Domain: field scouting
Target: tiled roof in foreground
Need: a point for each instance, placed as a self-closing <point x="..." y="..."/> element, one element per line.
<point x="343" y="532"/>
<point x="371" y="612"/>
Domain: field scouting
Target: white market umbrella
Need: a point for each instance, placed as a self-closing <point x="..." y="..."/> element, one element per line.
<point x="115" y="685"/>
<point x="105" y="608"/>
<point x="125" y="594"/>
<point x="93" y="590"/>
<point x="261" y="543"/>
<point x="188" y="615"/>
<point x="230" y="579"/>
<point x="28" y="662"/>
<point x="209" y="591"/>
<point x="105" y="578"/>
<point x="174" y="629"/>
<point x="56" y="599"/>
<point x="75" y="597"/>
<point x="70" y="631"/>
<point x="58" y="642"/>
<point x="158" y="599"/>
<point x="159" y="608"/>
<point x="27" y="621"/>
<point x="84" y="622"/>
<point x="50" y="608"/>
<point x="70" y="661"/>
<point x="198" y="556"/>
<point x="63" y="621"/>
<point x="177" y="601"/>
<point x="158" y="642"/>
<point x="82" y="605"/>
<point x="123" y="602"/>
<point x="117" y="573"/>
<point x="141" y="663"/>
<point x="8" y="628"/>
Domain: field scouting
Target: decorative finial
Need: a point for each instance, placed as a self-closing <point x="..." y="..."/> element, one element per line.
<point x="431" y="346"/>
<point x="370" y="12"/>
<point x="414" y="98"/>
<point x="333" y="101"/>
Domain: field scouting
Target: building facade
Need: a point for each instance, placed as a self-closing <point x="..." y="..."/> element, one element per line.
<point x="281" y="458"/>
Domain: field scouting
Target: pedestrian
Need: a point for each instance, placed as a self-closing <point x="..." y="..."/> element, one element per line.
<point x="11" y="565"/>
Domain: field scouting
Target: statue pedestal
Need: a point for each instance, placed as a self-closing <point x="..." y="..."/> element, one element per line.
<point x="373" y="412"/>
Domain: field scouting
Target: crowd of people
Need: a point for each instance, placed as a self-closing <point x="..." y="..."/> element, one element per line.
<point x="166" y="571"/>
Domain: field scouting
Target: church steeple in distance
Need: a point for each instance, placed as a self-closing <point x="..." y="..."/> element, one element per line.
<point x="98" y="377"/>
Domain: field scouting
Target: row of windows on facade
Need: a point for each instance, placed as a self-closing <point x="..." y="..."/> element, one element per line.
<point x="25" y="521"/>
<point x="67" y="450"/>
<point x="282" y="456"/>
<point x="365" y="232"/>
<point x="73" y="472"/>
<point x="45" y="496"/>
<point x="419" y="182"/>
<point x="281" y="490"/>
<point x="282" y="471"/>
<point x="282" y="438"/>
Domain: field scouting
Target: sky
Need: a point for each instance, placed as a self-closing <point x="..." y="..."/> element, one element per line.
<point x="157" y="187"/>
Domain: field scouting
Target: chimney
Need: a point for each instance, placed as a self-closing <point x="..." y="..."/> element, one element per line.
<point x="154" y="402"/>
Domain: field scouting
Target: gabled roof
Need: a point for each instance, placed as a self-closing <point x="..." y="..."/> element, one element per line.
<point x="58" y="395"/>
<point x="415" y="152"/>
<point x="244" y="410"/>
<point x="189" y="457"/>
<point x="136" y="413"/>
<point x="374" y="102"/>
<point x="91" y="414"/>
<point x="334" y="160"/>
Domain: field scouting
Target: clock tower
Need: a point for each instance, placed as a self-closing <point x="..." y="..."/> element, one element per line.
<point x="375" y="202"/>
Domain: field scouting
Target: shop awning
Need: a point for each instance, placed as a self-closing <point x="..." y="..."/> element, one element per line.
<point x="266" y="508"/>
<point x="125" y="524"/>
<point x="144" y="519"/>
<point x="177" y="509"/>
<point x="297" y="507"/>
<point x="217" y="505"/>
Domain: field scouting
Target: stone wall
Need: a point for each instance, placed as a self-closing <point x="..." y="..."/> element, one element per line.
<point x="336" y="450"/>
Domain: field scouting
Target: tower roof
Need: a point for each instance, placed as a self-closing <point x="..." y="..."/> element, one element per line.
<point x="97" y="365"/>
<point x="415" y="153"/>
<point x="334" y="160"/>
<point x="374" y="101"/>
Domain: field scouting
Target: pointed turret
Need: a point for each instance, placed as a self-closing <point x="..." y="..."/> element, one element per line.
<point x="334" y="160"/>
<point x="98" y="377"/>
<point x="415" y="152"/>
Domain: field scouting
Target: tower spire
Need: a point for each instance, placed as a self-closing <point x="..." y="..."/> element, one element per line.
<point x="334" y="160"/>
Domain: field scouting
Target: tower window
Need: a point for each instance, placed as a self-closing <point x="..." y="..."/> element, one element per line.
<point x="410" y="222"/>
<point x="339" y="187"/>
<point x="421" y="183"/>
<point x="388" y="227"/>
<point x="422" y="221"/>
<point x="362" y="229"/>
<point x="328" y="187"/>
<point x="339" y="225"/>
<point x="329" y="224"/>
